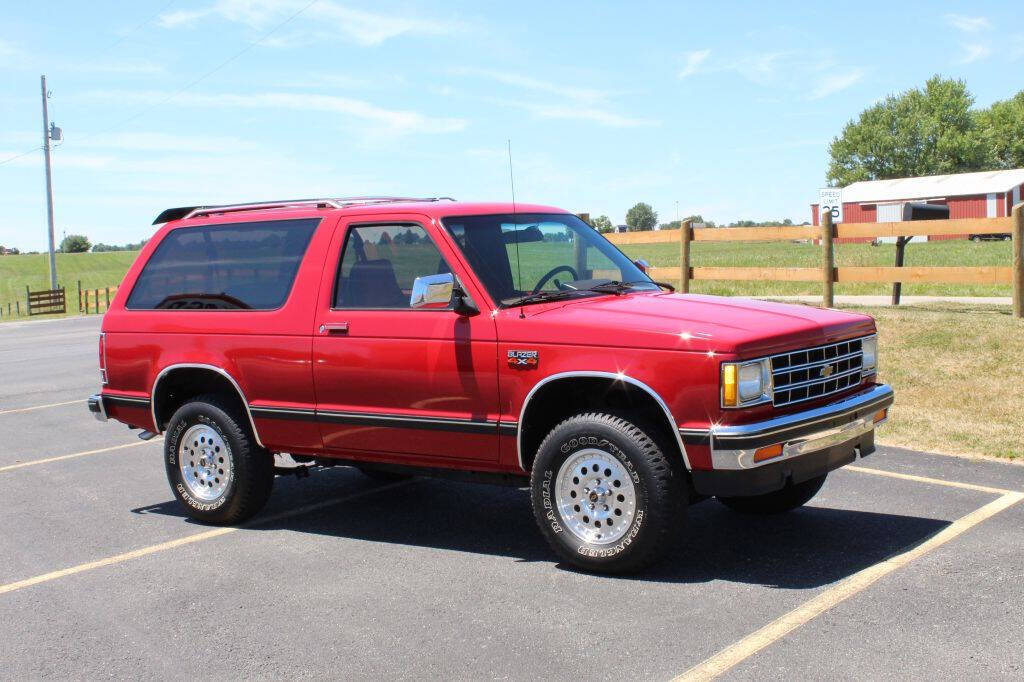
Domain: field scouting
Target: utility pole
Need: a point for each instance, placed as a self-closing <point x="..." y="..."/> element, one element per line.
<point x="49" y="185"/>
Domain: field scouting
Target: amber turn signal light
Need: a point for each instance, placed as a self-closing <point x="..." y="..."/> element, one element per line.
<point x="880" y="415"/>
<point x="729" y="385"/>
<point x="768" y="452"/>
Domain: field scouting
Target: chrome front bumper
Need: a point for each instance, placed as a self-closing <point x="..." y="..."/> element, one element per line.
<point x="844" y="421"/>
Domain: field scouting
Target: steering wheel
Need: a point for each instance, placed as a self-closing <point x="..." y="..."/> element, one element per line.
<point x="551" y="273"/>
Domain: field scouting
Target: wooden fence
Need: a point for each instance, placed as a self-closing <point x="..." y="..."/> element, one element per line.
<point x="828" y="274"/>
<point x="90" y="301"/>
<point x="100" y="299"/>
<point x="45" y="302"/>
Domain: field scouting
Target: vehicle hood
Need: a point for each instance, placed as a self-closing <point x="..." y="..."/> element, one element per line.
<point x="745" y="327"/>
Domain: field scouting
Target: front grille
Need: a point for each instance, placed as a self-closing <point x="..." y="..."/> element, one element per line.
<point x="816" y="372"/>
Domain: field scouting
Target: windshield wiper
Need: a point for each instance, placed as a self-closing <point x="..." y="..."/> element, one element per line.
<point x="542" y="296"/>
<point x="618" y="288"/>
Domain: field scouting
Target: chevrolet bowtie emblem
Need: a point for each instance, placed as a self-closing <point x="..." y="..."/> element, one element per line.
<point x="826" y="371"/>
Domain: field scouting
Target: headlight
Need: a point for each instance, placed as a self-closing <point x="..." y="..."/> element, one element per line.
<point x="746" y="383"/>
<point x="869" y="346"/>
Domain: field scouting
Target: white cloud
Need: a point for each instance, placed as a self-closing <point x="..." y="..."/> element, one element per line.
<point x="572" y="103"/>
<point x="837" y="83"/>
<point x="164" y="142"/>
<point x="581" y="94"/>
<point x="1017" y="51"/>
<point x="394" y="120"/>
<point x="584" y="113"/>
<point x="7" y="49"/>
<point x="968" y="24"/>
<point x="693" y="62"/>
<point x="761" y="67"/>
<point x="360" y="26"/>
<point x="972" y="53"/>
<point x="121" y="68"/>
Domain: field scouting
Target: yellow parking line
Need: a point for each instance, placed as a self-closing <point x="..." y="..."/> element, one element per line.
<point x="187" y="540"/>
<point x="732" y="655"/>
<point x="47" y="460"/>
<point x="935" y="481"/>
<point x="40" y="407"/>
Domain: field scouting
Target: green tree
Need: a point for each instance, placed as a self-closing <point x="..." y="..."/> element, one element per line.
<point x="75" y="243"/>
<point x="918" y="132"/>
<point x="602" y="223"/>
<point x="1002" y="127"/>
<point x="641" y="218"/>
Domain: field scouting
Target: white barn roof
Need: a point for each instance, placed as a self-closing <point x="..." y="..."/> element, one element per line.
<point x="933" y="186"/>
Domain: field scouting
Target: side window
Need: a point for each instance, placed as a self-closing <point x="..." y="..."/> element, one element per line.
<point x="379" y="264"/>
<point x="238" y="266"/>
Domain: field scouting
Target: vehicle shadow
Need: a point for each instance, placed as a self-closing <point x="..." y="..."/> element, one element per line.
<point x="807" y="548"/>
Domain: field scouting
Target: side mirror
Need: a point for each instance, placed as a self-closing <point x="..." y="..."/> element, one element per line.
<point x="432" y="291"/>
<point x="642" y="264"/>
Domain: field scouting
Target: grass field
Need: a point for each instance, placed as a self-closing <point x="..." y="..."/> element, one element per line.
<point x="787" y="254"/>
<point x="93" y="269"/>
<point x="957" y="374"/>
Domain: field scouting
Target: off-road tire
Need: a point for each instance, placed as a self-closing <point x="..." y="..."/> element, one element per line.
<point x="778" y="502"/>
<point x="657" y="482"/>
<point x="252" y="467"/>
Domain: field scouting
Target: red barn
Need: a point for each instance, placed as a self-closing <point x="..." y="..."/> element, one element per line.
<point x="987" y="194"/>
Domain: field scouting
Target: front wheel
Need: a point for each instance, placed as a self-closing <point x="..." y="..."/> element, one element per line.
<point x="605" y="495"/>
<point x="214" y="466"/>
<point x="779" y="501"/>
<point x="976" y="239"/>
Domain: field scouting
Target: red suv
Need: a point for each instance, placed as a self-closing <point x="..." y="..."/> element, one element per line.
<point x="495" y="342"/>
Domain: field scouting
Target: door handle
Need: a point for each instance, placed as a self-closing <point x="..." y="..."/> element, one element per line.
<point x="334" y="328"/>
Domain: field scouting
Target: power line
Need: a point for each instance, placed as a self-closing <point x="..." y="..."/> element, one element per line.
<point x="148" y="19"/>
<point x="104" y="50"/>
<point x="203" y="77"/>
<point x="18" y="156"/>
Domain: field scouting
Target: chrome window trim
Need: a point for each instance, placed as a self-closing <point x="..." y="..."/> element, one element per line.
<point x="218" y="370"/>
<point x="598" y="375"/>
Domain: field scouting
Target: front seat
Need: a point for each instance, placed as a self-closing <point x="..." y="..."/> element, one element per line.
<point x="372" y="284"/>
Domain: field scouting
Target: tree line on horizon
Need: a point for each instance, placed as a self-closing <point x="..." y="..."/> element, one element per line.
<point x="642" y="217"/>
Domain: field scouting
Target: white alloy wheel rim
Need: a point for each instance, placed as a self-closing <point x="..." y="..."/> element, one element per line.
<point x="596" y="497"/>
<point x="205" y="462"/>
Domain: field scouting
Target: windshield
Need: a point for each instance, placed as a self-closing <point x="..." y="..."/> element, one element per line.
<point x="540" y="256"/>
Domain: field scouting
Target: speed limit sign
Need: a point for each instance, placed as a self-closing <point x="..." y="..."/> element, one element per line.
<point x="831" y="199"/>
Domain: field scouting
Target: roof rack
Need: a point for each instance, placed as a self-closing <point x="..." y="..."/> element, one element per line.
<point x="186" y="212"/>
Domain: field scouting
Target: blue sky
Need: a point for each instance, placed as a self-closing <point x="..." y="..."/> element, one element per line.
<point x="725" y="108"/>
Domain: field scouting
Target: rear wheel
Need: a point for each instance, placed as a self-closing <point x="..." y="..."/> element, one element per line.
<point x="604" y="494"/>
<point x="213" y="464"/>
<point x="976" y="239"/>
<point x="787" y="499"/>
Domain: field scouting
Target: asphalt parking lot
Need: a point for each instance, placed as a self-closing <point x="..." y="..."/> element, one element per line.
<point x="908" y="566"/>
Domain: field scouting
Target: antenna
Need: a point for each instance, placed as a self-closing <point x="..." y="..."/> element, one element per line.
<point x="512" y="182"/>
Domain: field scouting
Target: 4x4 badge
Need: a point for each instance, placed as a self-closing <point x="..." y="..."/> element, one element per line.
<point x="522" y="359"/>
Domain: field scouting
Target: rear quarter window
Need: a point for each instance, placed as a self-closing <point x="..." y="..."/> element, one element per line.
<point x="234" y="266"/>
